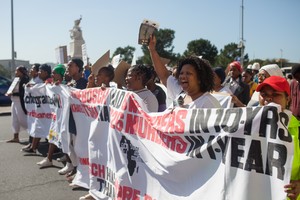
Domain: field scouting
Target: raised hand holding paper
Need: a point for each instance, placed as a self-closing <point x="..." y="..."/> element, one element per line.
<point x="147" y="28"/>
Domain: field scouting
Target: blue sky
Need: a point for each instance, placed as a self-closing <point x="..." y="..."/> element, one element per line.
<point x="271" y="27"/>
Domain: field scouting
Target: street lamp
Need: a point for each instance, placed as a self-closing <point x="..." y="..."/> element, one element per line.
<point x="281" y="57"/>
<point x="12" y="40"/>
<point x="241" y="44"/>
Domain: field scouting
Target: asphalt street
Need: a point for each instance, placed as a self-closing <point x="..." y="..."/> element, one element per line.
<point x="21" y="178"/>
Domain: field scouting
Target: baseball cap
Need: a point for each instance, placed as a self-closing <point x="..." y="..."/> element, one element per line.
<point x="255" y="66"/>
<point x="278" y="83"/>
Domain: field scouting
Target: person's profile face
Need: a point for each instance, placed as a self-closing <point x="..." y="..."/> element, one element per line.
<point x="18" y="73"/>
<point x="56" y="76"/>
<point x="131" y="80"/>
<point x="33" y="72"/>
<point x="72" y="68"/>
<point x="101" y="77"/>
<point x="43" y="74"/>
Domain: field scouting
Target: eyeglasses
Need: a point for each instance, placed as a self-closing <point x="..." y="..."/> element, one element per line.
<point x="262" y="75"/>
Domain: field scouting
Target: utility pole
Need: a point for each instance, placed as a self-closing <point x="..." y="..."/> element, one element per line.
<point x="241" y="44"/>
<point x="281" y="57"/>
<point x="12" y="40"/>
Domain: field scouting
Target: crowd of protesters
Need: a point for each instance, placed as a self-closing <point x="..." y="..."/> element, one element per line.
<point x="194" y="84"/>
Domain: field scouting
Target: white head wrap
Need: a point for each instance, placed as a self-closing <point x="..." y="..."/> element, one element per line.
<point x="272" y="69"/>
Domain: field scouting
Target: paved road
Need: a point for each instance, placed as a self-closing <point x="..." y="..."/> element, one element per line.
<point x="5" y="110"/>
<point x="21" y="178"/>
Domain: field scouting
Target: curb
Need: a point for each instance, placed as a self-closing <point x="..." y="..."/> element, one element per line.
<point x="5" y="114"/>
<point x="5" y="110"/>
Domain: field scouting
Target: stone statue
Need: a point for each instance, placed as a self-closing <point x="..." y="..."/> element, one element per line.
<point x="77" y="40"/>
<point x="76" y="33"/>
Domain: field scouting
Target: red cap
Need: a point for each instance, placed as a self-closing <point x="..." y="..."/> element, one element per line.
<point x="278" y="83"/>
<point x="237" y="65"/>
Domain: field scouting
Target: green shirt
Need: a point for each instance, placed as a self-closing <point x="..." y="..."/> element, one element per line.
<point x="294" y="131"/>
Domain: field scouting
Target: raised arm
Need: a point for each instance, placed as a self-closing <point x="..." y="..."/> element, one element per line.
<point x="91" y="81"/>
<point x="161" y="70"/>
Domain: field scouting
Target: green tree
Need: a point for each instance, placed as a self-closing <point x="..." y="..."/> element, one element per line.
<point x="279" y="62"/>
<point x="164" y="46"/>
<point x="202" y="47"/>
<point x="126" y="53"/>
<point x="260" y="61"/>
<point x="228" y="54"/>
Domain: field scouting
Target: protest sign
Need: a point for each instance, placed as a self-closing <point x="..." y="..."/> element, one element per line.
<point x="147" y="28"/>
<point x="13" y="85"/>
<point x="101" y="62"/>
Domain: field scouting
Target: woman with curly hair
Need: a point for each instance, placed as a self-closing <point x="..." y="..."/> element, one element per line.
<point x="193" y="81"/>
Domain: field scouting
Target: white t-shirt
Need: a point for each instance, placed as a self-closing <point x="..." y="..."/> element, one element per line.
<point x="173" y="87"/>
<point x="36" y="80"/>
<point x="148" y="98"/>
<point x="204" y="101"/>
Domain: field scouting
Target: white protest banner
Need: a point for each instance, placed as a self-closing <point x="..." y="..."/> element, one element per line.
<point x="224" y="99"/>
<point x="39" y="115"/>
<point x="58" y="127"/>
<point x="237" y="153"/>
<point x="84" y="115"/>
<point x="47" y="107"/>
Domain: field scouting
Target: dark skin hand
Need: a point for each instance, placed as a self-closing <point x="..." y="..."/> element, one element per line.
<point x="292" y="189"/>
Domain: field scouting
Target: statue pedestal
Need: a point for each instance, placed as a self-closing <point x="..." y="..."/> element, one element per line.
<point x="76" y="49"/>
